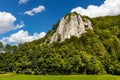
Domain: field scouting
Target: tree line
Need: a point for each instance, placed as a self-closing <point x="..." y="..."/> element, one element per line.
<point x="95" y="52"/>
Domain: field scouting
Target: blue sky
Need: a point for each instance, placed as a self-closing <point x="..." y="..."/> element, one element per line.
<point x="31" y="17"/>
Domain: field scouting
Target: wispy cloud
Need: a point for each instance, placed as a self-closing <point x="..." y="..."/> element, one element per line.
<point x="19" y="25"/>
<point x="109" y="7"/>
<point x="35" y="10"/>
<point x="23" y="1"/>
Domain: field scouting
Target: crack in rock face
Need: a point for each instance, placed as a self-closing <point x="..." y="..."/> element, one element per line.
<point x="70" y="25"/>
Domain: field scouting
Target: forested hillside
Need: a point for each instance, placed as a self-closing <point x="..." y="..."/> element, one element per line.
<point x="96" y="52"/>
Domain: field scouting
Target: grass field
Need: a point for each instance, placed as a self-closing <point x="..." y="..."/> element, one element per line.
<point x="58" y="77"/>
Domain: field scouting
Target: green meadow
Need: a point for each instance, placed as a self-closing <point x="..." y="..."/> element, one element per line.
<point x="58" y="77"/>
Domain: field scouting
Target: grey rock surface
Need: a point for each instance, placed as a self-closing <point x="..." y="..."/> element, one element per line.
<point x="71" y="25"/>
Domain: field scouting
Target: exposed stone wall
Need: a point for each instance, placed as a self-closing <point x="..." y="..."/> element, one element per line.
<point x="70" y="25"/>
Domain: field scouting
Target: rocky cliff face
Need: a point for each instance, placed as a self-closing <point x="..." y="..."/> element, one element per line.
<point x="70" y="25"/>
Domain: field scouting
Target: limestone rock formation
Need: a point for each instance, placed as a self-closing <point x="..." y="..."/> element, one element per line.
<point x="70" y="25"/>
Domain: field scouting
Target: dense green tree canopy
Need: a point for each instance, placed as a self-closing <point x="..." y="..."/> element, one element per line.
<point x="95" y="52"/>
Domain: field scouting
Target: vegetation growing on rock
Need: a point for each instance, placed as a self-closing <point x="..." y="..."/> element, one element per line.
<point x="95" y="52"/>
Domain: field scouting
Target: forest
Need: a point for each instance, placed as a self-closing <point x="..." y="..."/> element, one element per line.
<point x="95" y="52"/>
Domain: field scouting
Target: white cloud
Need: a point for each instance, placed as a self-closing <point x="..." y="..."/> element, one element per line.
<point x="109" y="7"/>
<point x="35" y="10"/>
<point x="21" y="37"/>
<point x="7" y="22"/>
<point x="23" y="1"/>
<point x="19" y="25"/>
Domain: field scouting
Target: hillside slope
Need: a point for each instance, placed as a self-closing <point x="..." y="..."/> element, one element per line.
<point x="95" y="51"/>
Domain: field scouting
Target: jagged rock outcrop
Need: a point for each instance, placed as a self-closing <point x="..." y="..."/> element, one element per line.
<point x="70" y="25"/>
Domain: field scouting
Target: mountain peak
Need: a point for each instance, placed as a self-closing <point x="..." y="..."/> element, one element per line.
<point x="70" y="25"/>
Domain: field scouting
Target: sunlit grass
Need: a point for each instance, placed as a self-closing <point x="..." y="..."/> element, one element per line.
<point x="57" y="77"/>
